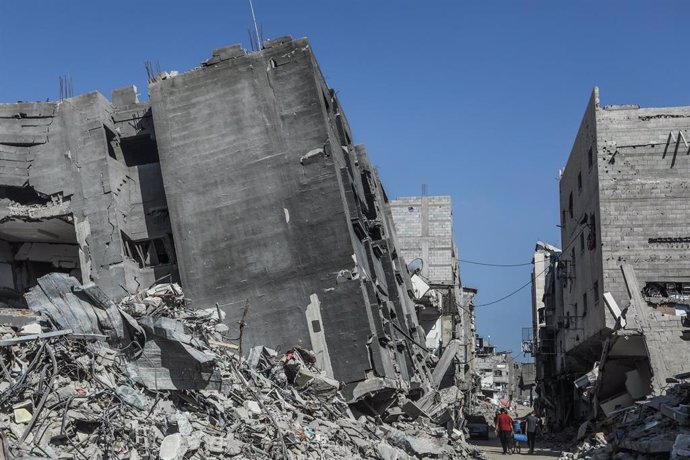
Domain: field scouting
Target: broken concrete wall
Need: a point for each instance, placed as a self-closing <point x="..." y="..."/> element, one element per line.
<point x="143" y="217"/>
<point x="625" y="208"/>
<point x="269" y="209"/>
<point x="581" y="260"/>
<point x="61" y="186"/>
<point x="645" y="204"/>
<point x="643" y="165"/>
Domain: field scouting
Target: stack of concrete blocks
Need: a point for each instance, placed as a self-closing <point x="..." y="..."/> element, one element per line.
<point x="277" y="214"/>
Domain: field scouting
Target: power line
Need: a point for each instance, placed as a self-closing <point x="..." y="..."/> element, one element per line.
<point x="512" y="293"/>
<point x="563" y="251"/>
<point x="493" y="265"/>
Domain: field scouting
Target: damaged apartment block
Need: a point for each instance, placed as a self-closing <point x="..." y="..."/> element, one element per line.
<point x="241" y="179"/>
<point x="273" y="208"/>
<point x="616" y="300"/>
<point x="81" y="193"/>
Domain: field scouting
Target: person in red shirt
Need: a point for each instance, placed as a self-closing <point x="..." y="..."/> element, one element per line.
<point x="504" y="426"/>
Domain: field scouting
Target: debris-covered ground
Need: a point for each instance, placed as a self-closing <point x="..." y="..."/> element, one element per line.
<point x="92" y="380"/>
<point x="658" y="427"/>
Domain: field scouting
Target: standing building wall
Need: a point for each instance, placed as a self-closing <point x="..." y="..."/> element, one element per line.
<point x="625" y="242"/>
<point x="274" y="209"/>
<point x="425" y="231"/>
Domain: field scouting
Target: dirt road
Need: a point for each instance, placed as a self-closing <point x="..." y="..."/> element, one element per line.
<point x="493" y="450"/>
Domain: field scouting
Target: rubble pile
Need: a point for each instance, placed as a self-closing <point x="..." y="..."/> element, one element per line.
<point x="486" y="409"/>
<point x="595" y="447"/>
<point x="654" y="428"/>
<point x="178" y="389"/>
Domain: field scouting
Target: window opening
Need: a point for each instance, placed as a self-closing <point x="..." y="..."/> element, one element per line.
<point x="146" y="253"/>
<point x="590" y="159"/>
<point x="592" y="236"/>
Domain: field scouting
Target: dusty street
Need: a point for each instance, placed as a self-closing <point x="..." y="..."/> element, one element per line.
<point x="493" y="450"/>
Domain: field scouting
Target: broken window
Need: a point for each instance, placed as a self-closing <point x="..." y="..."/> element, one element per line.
<point x="133" y="150"/>
<point x="584" y="304"/>
<point x="112" y="142"/>
<point x="579" y="182"/>
<point x="592" y="236"/>
<point x="570" y="205"/>
<point x="139" y="150"/>
<point x="590" y="158"/>
<point x="595" y="290"/>
<point x="325" y="101"/>
<point x="674" y="292"/>
<point x="572" y="260"/>
<point x="582" y="242"/>
<point x="148" y="253"/>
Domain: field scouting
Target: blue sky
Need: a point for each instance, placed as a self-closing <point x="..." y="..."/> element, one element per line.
<point x="479" y="100"/>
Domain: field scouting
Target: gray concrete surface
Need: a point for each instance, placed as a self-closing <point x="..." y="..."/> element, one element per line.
<point x="273" y="206"/>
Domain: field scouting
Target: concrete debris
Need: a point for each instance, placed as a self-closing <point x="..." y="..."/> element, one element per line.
<point x="117" y="193"/>
<point x="71" y="396"/>
<point x="656" y="427"/>
<point x="681" y="447"/>
<point x="173" y="447"/>
<point x="594" y="448"/>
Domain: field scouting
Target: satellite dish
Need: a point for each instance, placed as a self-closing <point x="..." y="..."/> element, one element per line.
<point x="415" y="267"/>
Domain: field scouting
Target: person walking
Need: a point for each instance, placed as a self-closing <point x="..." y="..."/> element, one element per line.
<point x="532" y="422"/>
<point x="504" y="426"/>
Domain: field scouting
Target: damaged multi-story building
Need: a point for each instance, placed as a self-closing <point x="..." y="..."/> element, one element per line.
<point x="424" y="226"/>
<point x="624" y="271"/>
<point x="445" y="310"/>
<point x="240" y="178"/>
<point x="496" y="370"/>
<point x="82" y="193"/>
<point x="553" y="381"/>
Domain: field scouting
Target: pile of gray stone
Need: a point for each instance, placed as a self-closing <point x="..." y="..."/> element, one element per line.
<point x="177" y="388"/>
<point x="658" y="427"/>
<point x="595" y="447"/>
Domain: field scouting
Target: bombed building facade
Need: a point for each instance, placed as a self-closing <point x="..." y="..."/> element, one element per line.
<point x="424" y="226"/>
<point x="624" y="271"/>
<point x="82" y="193"/>
<point x="240" y="179"/>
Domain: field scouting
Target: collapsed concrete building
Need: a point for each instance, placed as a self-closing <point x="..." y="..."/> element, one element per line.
<point x="496" y="370"/>
<point x="82" y="193"/>
<point x="239" y="178"/>
<point x="624" y="273"/>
